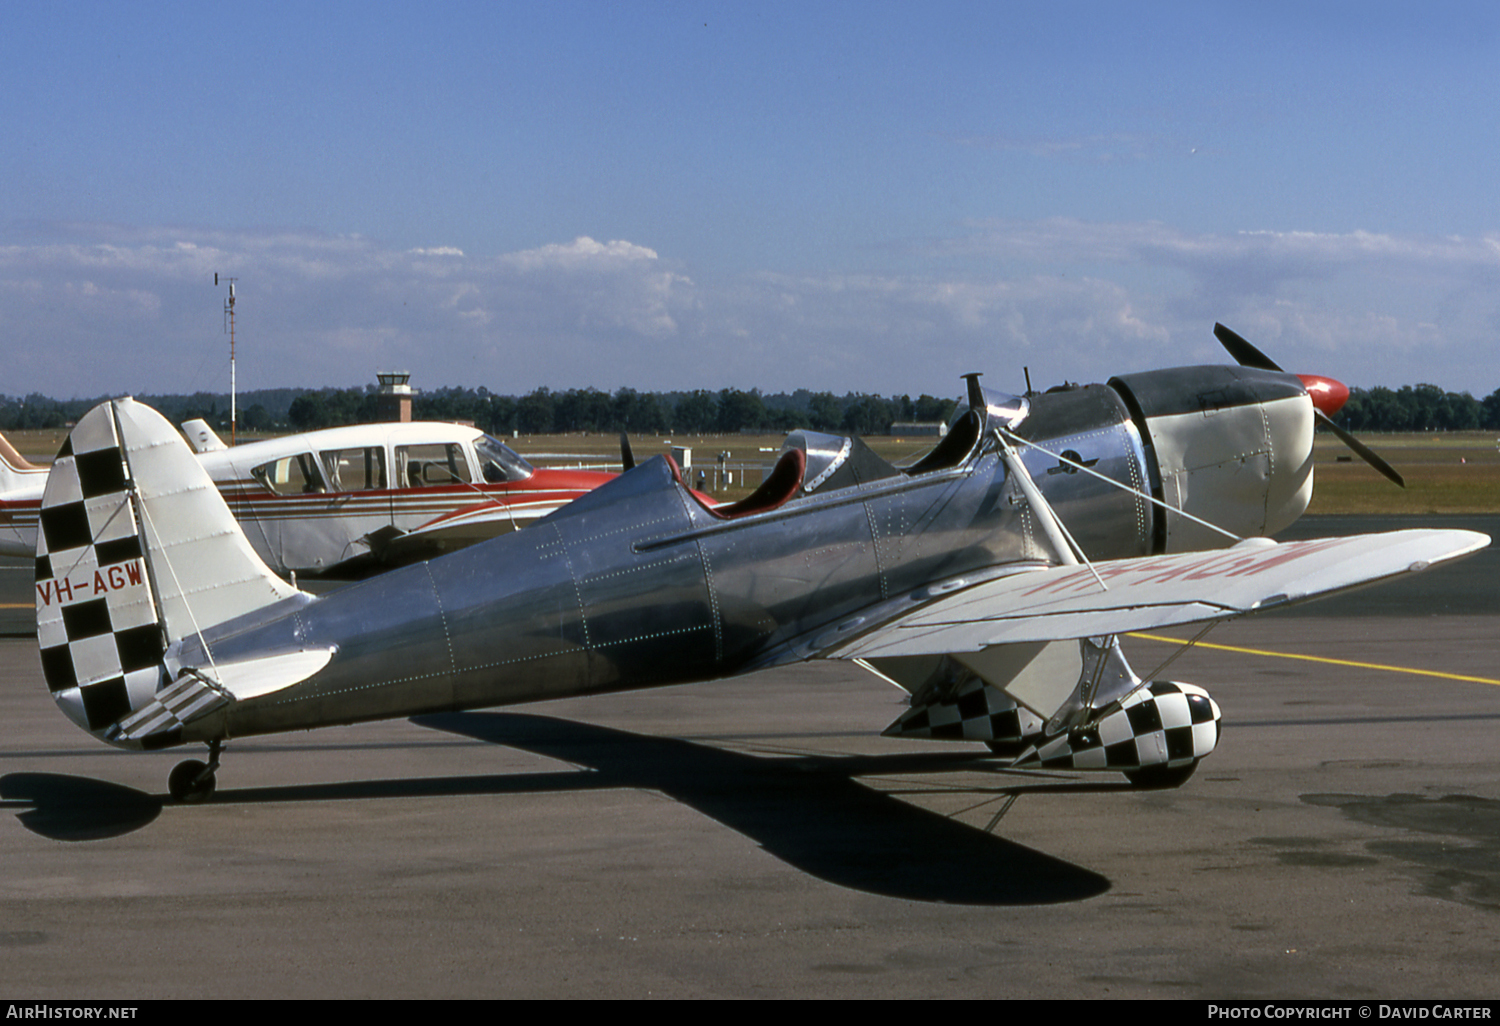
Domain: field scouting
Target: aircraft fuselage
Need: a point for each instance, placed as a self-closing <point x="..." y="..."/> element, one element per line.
<point x="637" y="584"/>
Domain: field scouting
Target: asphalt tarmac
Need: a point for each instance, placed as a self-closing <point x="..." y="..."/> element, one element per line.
<point x="756" y="838"/>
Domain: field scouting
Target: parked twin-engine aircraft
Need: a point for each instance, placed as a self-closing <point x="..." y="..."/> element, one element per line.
<point x="990" y="579"/>
<point x="346" y="501"/>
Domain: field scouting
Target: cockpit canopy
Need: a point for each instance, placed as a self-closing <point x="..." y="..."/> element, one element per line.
<point x="836" y="461"/>
<point x="839" y="461"/>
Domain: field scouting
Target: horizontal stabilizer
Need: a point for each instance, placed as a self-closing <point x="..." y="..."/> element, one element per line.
<point x="16" y="471"/>
<point x="458" y="529"/>
<point x="251" y="678"/>
<point x="202" y="437"/>
<point x="198" y="692"/>
<point x="162" y="718"/>
<point x="1062" y="602"/>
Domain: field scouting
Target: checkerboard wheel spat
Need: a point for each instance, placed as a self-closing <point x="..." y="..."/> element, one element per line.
<point x="1162" y="724"/>
<point x="975" y="712"/>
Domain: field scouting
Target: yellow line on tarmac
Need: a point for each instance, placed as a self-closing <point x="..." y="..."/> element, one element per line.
<point x="1317" y="659"/>
<point x="17" y="605"/>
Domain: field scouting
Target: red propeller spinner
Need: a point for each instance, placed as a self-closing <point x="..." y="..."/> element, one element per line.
<point x="1328" y="395"/>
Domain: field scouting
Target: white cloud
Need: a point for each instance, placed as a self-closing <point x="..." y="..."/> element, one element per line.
<point x="102" y="309"/>
<point x="582" y="254"/>
<point x="1066" y="241"/>
<point x="1385" y="308"/>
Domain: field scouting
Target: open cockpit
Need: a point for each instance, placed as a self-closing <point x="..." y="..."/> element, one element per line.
<point x="812" y="462"/>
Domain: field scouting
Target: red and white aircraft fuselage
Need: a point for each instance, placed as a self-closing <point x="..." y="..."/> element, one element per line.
<point x="345" y="501"/>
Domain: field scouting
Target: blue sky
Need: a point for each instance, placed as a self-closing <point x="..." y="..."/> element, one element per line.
<point x="869" y="197"/>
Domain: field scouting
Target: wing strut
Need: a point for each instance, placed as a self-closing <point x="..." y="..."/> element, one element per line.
<point x="1154" y="674"/>
<point x="1069" y="553"/>
<point x="1105" y="680"/>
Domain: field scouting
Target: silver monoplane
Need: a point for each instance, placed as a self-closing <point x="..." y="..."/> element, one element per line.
<point x="989" y="579"/>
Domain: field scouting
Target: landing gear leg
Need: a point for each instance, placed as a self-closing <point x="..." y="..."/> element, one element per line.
<point x="193" y="781"/>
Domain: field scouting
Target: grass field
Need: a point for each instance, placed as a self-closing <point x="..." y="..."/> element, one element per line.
<point x="1445" y="473"/>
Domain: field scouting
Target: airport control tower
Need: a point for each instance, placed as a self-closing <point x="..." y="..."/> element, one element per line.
<point x="394" y="402"/>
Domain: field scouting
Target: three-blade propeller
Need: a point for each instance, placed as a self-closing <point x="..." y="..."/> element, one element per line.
<point x="1327" y="396"/>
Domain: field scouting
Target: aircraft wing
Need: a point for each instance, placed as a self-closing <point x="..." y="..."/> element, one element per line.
<point x="462" y="527"/>
<point x="1064" y="602"/>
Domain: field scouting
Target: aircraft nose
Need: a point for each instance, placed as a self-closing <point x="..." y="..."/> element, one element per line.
<point x="1328" y="395"/>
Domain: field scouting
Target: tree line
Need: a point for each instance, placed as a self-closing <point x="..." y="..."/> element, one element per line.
<point x="728" y="411"/>
<point x="543" y="411"/>
<point x="1419" y="408"/>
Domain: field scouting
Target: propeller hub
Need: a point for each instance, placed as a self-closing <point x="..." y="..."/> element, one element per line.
<point x="1328" y="395"/>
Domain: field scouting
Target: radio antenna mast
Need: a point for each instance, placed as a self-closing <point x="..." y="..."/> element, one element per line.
<point x="229" y="319"/>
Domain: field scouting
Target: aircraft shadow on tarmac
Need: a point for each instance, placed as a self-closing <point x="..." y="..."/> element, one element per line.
<point x="68" y="808"/>
<point x="808" y="811"/>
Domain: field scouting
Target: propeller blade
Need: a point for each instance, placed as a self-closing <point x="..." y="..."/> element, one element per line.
<point x="1326" y="394"/>
<point x="627" y="458"/>
<point x="1365" y="452"/>
<point x="1243" y="352"/>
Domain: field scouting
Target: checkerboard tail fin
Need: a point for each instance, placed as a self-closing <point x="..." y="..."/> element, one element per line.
<point x="136" y="550"/>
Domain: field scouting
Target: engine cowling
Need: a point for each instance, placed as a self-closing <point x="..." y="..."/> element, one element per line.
<point x="1230" y="445"/>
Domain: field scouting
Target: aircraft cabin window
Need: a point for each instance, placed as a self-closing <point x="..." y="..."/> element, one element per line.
<point x="430" y="466"/>
<point x="500" y="462"/>
<point x="355" y="470"/>
<point x="291" y="475"/>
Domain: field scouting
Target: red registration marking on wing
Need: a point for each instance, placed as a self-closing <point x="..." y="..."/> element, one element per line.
<point x="105" y="579"/>
<point x="1209" y="567"/>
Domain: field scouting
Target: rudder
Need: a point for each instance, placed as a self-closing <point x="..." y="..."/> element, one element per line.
<point x="135" y="551"/>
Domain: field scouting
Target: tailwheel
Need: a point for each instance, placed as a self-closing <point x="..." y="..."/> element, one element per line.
<point x="191" y="781"/>
<point x="194" y="781"/>
<point x="1161" y="778"/>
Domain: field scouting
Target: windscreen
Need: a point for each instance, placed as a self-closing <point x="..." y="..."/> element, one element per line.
<point x="499" y="463"/>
